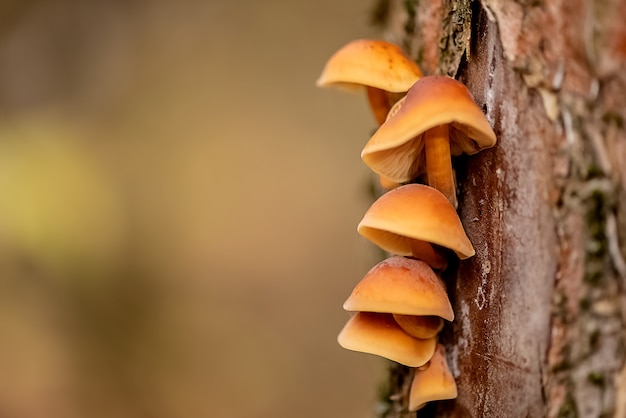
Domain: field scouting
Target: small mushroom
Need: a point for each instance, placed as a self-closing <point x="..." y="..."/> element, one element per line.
<point x="378" y="333"/>
<point x="436" y="119"/>
<point x="404" y="286"/>
<point x="381" y="67"/>
<point x="399" y="307"/>
<point x="425" y="326"/>
<point x="409" y="219"/>
<point x="432" y="382"/>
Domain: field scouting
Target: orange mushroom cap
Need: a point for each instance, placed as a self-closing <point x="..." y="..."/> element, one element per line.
<point x="395" y="149"/>
<point x="420" y="326"/>
<point x="374" y="63"/>
<point x="381" y="67"/>
<point x="378" y="333"/>
<point x="414" y="211"/>
<point x="400" y="285"/>
<point x="432" y="382"/>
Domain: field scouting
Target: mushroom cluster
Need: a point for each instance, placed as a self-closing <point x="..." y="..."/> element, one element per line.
<point x="399" y="308"/>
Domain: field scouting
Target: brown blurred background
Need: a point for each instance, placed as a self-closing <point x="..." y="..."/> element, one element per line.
<point x="178" y="210"/>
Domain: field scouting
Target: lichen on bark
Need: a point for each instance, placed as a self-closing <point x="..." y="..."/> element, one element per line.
<point x="455" y="37"/>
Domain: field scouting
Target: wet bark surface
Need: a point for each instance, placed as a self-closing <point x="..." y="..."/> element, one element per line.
<point x="539" y="309"/>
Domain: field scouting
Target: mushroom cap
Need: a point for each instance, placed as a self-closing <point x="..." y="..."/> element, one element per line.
<point x="400" y="285"/>
<point x="414" y="211"/>
<point x="378" y="333"/>
<point x="419" y="326"/>
<point x="432" y="383"/>
<point x="394" y="150"/>
<point x="374" y="63"/>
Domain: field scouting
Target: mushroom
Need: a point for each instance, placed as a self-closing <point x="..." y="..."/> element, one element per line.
<point x="399" y="307"/>
<point x="436" y="119"/>
<point x="423" y="326"/>
<point x="381" y="67"/>
<point x="404" y="286"/>
<point x="409" y="219"/>
<point x="378" y="333"/>
<point x="432" y="382"/>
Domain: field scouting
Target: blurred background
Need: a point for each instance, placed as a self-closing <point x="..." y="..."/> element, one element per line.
<point x="178" y="210"/>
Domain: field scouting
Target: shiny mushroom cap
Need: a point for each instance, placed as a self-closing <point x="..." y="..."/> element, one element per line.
<point x="433" y="382"/>
<point x="395" y="149"/>
<point x="414" y="211"/>
<point x="374" y="63"/>
<point x="400" y="285"/>
<point x="379" y="334"/>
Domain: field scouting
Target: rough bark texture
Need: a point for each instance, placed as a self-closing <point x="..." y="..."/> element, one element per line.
<point x="539" y="328"/>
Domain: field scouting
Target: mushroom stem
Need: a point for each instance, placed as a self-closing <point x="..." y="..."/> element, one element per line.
<point x="386" y="183"/>
<point x="379" y="103"/>
<point x="422" y="250"/>
<point x="439" y="163"/>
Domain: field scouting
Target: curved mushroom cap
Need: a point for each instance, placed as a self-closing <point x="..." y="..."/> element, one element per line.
<point x="378" y="333"/>
<point x="373" y="63"/>
<point x="414" y="211"/>
<point x="394" y="150"/>
<point x="420" y="326"/>
<point x="400" y="285"/>
<point x="434" y="382"/>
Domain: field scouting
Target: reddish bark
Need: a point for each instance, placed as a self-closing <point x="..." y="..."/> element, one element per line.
<point x="538" y="329"/>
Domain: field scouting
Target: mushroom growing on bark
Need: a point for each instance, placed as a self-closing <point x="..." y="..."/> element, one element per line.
<point x="382" y="68"/>
<point x="400" y="285"/>
<point x="400" y="305"/>
<point x="409" y="219"/>
<point x="379" y="334"/>
<point x="436" y="119"/>
<point x="432" y="382"/>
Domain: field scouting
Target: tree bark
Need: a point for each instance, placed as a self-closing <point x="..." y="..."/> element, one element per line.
<point x="539" y="328"/>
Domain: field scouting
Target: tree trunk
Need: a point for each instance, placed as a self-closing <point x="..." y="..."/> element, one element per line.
<point x="540" y="308"/>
